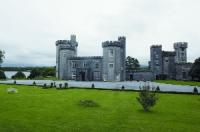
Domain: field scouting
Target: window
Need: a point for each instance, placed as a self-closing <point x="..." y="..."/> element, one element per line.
<point x="111" y="53"/>
<point x="97" y="65"/>
<point x="73" y="75"/>
<point x="73" y="64"/>
<point x="84" y="64"/>
<point x="111" y="65"/>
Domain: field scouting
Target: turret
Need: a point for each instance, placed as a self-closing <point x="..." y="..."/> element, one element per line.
<point x="181" y="52"/>
<point x="114" y="56"/>
<point x="156" y="59"/>
<point x="64" y="50"/>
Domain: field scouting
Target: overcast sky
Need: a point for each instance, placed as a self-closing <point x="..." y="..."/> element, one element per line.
<point x="29" y="28"/>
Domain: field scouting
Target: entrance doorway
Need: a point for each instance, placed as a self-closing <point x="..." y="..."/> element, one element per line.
<point x="131" y="77"/>
<point x="82" y="75"/>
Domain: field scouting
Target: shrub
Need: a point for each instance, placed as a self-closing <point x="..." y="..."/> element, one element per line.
<point x="34" y="83"/>
<point x="147" y="98"/>
<point x="66" y="85"/>
<point x="60" y="85"/>
<point x="19" y="75"/>
<point x="45" y="86"/>
<point x="195" y="91"/>
<point x="88" y="103"/>
<point x="93" y="86"/>
<point x="14" y="82"/>
<point x="157" y="88"/>
<point x="2" y="75"/>
<point x="123" y="87"/>
<point x="54" y="84"/>
<point x="51" y="85"/>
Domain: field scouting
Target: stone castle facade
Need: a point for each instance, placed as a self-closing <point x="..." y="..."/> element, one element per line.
<point x="172" y="64"/>
<point x="109" y="67"/>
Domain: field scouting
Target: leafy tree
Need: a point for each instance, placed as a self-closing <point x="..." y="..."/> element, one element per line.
<point x="1" y="57"/>
<point x="19" y="75"/>
<point x="195" y="70"/>
<point x="132" y="63"/>
<point x="34" y="73"/>
<point x="147" y="98"/>
<point x="2" y="75"/>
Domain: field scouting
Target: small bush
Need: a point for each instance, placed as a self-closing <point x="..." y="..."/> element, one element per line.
<point x="14" y="82"/>
<point x="147" y="98"/>
<point x="88" y="103"/>
<point x="123" y="87"/>
<point x="2" y="75"/>
<point x="60" y="85"/>
<point x="51" y="85"/>
<point x="34" y="83"/>
<point x="195" y="91"/>
<point x="54" y="84"/>
<point x="157" y="88"/>
<point x="66" y="85"/>
<point x="45" y="86"/>
<point x="93" y="86"/>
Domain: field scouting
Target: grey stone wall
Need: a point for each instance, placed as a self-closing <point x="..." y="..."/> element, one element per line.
<point x="182" y="71"/>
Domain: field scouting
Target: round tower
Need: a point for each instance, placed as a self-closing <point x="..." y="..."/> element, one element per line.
<point x="64" y="50"/>
<point x="181" y="52"/>
<point x="114" y="57"/>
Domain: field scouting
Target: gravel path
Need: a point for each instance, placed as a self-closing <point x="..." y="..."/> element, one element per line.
<point x="130" y="85"/>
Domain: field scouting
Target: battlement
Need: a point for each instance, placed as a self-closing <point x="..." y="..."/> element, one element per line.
<point x="180" y="45"/>
<point x="85" y="57"/>
<point x="121" y="38"/>
<point x="58" y="42"/>
<point x="156" y="46"/>
<point x="168" y="53"/>
<point x="112" y="43"/>
<point x="67" y="47"/>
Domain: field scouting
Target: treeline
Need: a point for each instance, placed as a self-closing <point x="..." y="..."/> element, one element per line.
<point x="23" y="68"/>
<point x="42" y="72"/>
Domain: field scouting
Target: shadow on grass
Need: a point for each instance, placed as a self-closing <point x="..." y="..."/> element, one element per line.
<point x="147" y="112"/>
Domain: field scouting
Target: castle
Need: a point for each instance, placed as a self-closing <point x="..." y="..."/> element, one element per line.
<point x="171" y="64"/>
<point x="112" y="65"/>
<point x="109" y="67"/>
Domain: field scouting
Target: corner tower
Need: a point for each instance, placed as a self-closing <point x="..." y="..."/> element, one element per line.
<point x="156" y="60"/>
<point x="181" y="52"/>
<point x="114" y="57"/>
<point x="64" y="50"/>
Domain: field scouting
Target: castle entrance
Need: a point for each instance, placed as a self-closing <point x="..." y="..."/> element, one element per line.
<point x="82" y="76"/>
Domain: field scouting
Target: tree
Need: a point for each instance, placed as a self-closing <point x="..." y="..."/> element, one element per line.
<point x="195" y="70"/>
<point x="147" y="98"/>
<point x="132" y="63"/>
<point x="2" y="75"/>
<point x="34" y="73"/>
<point x="19" y="75"/>
<point x="1" y="57"/>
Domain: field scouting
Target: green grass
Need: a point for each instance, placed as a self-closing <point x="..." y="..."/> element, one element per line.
<point x="175" y="82"/>
<point x="33" y="109"/>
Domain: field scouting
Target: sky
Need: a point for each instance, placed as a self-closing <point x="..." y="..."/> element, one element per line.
<point x="29" y="28"/>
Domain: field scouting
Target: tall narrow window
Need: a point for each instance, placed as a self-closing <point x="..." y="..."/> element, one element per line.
<point x="111" y="53"/>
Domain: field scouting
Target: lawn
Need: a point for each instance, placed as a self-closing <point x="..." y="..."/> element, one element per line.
<point x="33" y="109"/>
<point x="175" y="82"/>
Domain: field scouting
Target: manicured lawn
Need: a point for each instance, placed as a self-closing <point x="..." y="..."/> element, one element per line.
<point x="191" y="83"/>
<point x="33" y="109"/>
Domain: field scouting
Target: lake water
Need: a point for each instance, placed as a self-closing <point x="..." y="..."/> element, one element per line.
<point x="9" y="74"/>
